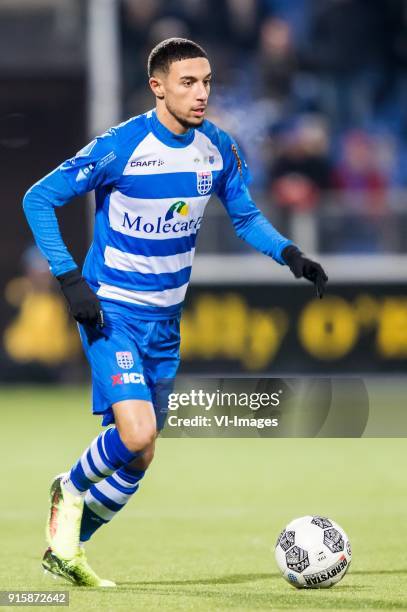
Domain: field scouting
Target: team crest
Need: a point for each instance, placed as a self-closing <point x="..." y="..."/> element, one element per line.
<point x="204" y="181"/>
<point x="125" y="360"/>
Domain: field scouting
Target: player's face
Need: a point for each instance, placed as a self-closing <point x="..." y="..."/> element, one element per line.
<point x="186" y="89"/>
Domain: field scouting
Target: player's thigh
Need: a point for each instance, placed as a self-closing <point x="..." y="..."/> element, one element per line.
<point x="136" y="423"/>
<point x="116" y="364"/>
<point x="160" y="375"/>
<point x="161" y="367"/>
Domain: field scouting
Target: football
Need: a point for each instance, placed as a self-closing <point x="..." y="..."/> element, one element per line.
<point x="313" y="552"/>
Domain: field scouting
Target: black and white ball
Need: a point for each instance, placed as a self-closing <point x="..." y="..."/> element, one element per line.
<point x="313" y="552"/>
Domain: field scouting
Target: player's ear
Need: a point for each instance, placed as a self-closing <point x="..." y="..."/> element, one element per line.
<point x="157" y="87"/>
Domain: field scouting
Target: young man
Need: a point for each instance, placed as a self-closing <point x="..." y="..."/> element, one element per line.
<point x="152" y="176"/>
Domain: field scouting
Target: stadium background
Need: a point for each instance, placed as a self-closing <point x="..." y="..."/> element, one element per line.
<point x="316" y="94"/>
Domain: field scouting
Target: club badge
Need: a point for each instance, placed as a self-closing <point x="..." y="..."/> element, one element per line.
<point x="125" y="360"/>
<point x="204" y="182"/>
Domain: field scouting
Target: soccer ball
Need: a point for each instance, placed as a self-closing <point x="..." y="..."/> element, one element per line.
<point x="313" y="552"/>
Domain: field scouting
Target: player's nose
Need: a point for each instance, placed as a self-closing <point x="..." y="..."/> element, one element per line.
<point x="201" y="94"/>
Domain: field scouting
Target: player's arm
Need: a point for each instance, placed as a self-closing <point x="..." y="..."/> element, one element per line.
<point x="92" y="166"/>
<point x="251" y="225"/>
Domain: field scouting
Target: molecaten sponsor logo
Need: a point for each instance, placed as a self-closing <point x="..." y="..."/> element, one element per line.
<point x="160" y="226"/>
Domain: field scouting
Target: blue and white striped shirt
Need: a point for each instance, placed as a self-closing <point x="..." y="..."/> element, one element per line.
<point x="151" y="189"/>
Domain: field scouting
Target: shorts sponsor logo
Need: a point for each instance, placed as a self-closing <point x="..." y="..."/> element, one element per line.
<point x="134" y="378"/>
<point x="125" y="360"/>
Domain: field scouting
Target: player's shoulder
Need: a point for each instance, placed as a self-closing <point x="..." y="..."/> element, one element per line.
<point x="228" y="147"/>
<point x="133" y="129"/>
<point x="221" y="139"/>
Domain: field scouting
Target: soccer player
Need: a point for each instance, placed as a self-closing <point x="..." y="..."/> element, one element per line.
<point x="153" y="176"/>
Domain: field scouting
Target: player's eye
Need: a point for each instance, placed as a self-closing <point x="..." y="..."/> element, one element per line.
<point x="187" y="83"/>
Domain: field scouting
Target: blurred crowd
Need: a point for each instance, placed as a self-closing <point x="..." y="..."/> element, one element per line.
<point x="314" y="91"/>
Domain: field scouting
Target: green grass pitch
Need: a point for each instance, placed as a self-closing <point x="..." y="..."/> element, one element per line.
<point x="199" y="535"/>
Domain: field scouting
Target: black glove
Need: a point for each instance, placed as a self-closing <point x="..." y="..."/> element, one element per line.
<point x="83" y="303"/>
<point x="302" y="266"/>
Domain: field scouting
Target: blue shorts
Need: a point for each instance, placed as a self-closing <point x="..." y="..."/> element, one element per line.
<point x="131" y="359"/>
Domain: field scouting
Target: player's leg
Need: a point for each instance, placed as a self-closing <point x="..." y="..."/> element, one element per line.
<point x="115" y="447"/>
<point x="105" y="499"/>
<point x="108" y="452"/>
<point x="107" y="455"/>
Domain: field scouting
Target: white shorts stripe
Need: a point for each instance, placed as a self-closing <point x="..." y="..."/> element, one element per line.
<point x="168" y="297"/>
<point x="147" y="265"/>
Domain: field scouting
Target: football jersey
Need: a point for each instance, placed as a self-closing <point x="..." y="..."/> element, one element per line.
<point x="151" y="189"/>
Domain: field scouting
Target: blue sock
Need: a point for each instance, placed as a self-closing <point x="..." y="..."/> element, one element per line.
<point x="105" y="455"/>
<point x="106" y="498"/>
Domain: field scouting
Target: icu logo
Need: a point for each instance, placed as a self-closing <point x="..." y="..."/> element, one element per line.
<point x="204" y="181"/>
<point x="125" y="360"/>
<point x="127" y="378"/>
<point x="179" y="207"/>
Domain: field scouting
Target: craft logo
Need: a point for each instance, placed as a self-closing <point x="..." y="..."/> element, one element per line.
<point x="146" y="163"/>
<point x="204" y="181"/>
<point x="179" y="207"/>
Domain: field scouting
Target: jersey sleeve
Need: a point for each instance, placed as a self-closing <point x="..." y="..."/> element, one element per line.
<point x="249" y="223"/>
<point x="93" y="166"/>
<point x="235" y="176"/>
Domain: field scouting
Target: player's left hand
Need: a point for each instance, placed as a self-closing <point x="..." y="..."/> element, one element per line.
<point x="301" y="266"/>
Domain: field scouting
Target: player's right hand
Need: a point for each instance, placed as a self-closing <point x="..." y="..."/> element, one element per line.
<point x="83" y="303"/>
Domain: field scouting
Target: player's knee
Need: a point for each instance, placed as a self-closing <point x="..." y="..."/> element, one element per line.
<point x="136" y="422"/>
<point x="143" y="461"/>
<point x="138" y="439"/>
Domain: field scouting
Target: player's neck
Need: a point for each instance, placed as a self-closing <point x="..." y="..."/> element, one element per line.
<point x="169" y="121"/>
